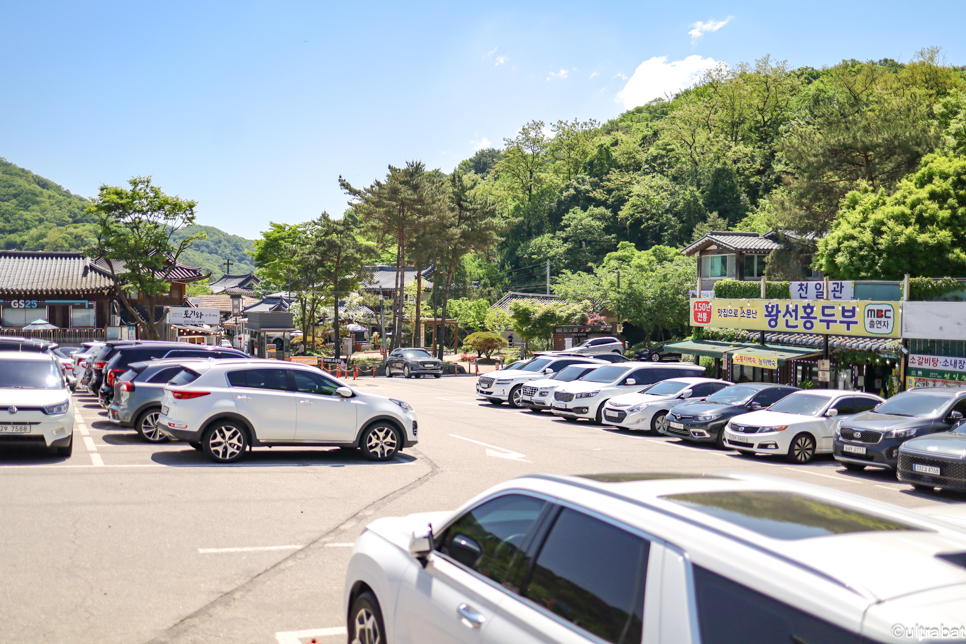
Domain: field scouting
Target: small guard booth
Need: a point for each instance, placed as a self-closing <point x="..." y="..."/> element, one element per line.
<point x="270" y="334"/>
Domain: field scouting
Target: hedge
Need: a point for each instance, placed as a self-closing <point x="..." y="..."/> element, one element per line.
<point x="737" y="290"/>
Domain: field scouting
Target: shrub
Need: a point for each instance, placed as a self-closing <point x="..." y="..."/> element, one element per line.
<point x="485" y="342"/>
<point x="738" y="290"/>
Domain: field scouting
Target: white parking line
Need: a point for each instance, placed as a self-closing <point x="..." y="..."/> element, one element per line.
<point x="828" y="476"/>
<point x="339" y="545"/>
<point x="886" y="487"/>
<point x="209" y="551"/>
<point x="296" y="637"/>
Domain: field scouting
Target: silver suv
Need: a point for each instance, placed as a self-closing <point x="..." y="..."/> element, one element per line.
<point x="599" y="345"/>
<point x="227" y="407"/>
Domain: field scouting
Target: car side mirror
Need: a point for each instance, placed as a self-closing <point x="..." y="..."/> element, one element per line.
<point x="955" y="416"/>
<point x="630" y="381"/>
<point x="832" y="413"/>
<point x="754" y="405"/>
<point x="420" y="545"/>
<point x="465" y="550"/>
<point x="345" y="392"/>
<point x="686" y="393"/>
<point x="548" y="371"/>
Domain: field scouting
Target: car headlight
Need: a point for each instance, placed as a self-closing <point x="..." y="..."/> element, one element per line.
<point x="403" y="404"/>
<point x="779" y="428"/>
<point x="637" y="408"/>
<point x="587" y="394"/>
<point x="900" y="433"/>
<point x="504" y="381"/>
<point x="704" y="419"/>
<point x="59" y="408"/>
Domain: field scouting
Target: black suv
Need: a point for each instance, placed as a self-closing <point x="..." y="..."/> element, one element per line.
<point x="127" y="355"/>
<point x="872" y="438"/>
<point x="704" y="421"/>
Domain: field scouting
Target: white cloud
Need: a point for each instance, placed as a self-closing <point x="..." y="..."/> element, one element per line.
<point x="490" y="53"/>
<point x="656" y="77"/>
<point x="620" y="76"/>
<point x="593" y="76"/>
<point x="483" y="143"/>
<point x="562" y="74"/>
<point x="699" y="28"/>
<point x="501" y="59"/>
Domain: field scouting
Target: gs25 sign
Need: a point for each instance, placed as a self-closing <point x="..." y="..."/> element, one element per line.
<point x="23" y="304"/>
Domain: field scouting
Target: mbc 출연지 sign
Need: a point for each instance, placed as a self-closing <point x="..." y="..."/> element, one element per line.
<point x="856" y="318"/>
<point x="186" y="315"/>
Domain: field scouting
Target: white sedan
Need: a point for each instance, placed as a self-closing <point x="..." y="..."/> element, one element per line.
<point x="798" y="426"/>
<point x="648" y="409"/>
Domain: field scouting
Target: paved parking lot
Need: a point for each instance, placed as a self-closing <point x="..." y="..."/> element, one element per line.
<point x="129" y="542"/>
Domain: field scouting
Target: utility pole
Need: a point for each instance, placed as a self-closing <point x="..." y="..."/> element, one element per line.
<point x="548" y="277"/>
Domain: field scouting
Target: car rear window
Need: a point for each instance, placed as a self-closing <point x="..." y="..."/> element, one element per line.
<point x="30" y="374"/>
<point x="186" y="376"/>
<point x="164" y="375"/>
<point x="785" y="515"/>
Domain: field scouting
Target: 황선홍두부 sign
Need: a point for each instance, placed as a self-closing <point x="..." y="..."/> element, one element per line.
<point x="856" y="318"/>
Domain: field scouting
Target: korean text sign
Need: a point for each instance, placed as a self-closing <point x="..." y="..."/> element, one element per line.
<point x="856" y="318"/>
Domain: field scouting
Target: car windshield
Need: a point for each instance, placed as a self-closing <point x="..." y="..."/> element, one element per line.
<point x="913" y="403"/>
<point x="571" y="373"/>
<point x="536" y="364"/>
<point x="60" y="353"/>
<point x="736" y="395"/>
<point x="802" y="404"/>
<point x="24" y="374"/>
<point x="668" y="388"/>
<point x="606" y="374"/>
<point x="515" y="365"/>
<point x="416" y="355"/>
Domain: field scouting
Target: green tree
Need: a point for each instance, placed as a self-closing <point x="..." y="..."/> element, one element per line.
<point x="273" y="255"/>
<point x="531" y="320"/>
<point x="485" y="342"/>
<point x="918" y="230"/>
<point x="135" y="229"/>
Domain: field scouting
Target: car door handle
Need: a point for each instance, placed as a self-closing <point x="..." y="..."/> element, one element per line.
<point x="306" y="402"/>
<point x="469" y="616"/>
<point x="243" y="397"/>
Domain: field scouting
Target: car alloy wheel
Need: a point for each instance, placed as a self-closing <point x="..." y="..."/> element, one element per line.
<point x="406" y="372"/>
<point x="380" y="442"/>
<point x="659" y="422"/>
<point x="147" y="426"/>
<point x="516" y="396"/>
<point x="225" y="442"/>
<point x="655" y="357"/>
<point x="365" y="621"/>
<point x="802" y="449"/>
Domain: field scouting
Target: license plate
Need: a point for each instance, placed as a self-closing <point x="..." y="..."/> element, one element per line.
<point x="676" y="425"/>
<point x="926" y="469"/>
<point x="164" y="411"/>
<point x="610" y="414"/>
<point x="14" y="429"/>
<point x="559" y="406"/>
<point x="735" y="441"/>
<point x="853" y="449"/>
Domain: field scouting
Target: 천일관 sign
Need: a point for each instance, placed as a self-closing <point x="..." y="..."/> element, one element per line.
<point x="856" y="318"/>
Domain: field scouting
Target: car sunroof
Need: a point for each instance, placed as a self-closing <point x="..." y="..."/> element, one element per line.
<point x="785" y="515"/>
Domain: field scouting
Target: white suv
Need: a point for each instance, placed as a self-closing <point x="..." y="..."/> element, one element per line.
<point x="599" y="345"/>
<point x="585" y="398"/>
<point x="35" y="404"/>
<point x="659" y="558"/>
<point x="224" y="407"/>
<point x="506" y="385"/>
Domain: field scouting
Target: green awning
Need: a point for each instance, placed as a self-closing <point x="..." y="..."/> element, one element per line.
<point x="707" y="348"/>
<point x="770" y="356"/>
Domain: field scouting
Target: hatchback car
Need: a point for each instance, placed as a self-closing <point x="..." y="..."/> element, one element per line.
<point x="648" y="409"/>
<point x="798" y="426"/>
<point x="704" y="421"/>
<point x="225" y="407"/>
<point x="413" y="362"/>
<point x="872" y="439"/>
<point x="585" y="398"/>
<point x="36" y="404"/>
<point x="656" y="558"/>
<point x="935" y="460"/>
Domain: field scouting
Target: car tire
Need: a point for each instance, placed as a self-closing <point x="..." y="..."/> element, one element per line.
<point x="365" y="623"/>
<point x="437" y="375"/>
<point x="854" y="467"/>
<point x="719" y="440"/>
<point x="196" y="445"/>
<point x="225" y="442"/>
<point x="516" y="395"/>
<point x="406" y="373"/>
<point x="655" y="357"/>
<point x="659" y="422"/>
<point x="380" y="442"/>
<point x="65" y="452"/>
<point x="919" y="487"/>
<point x="146" y="426"/>
<point x="599" y="417"/>
<point x="802" y="449"/>
<point x="493" y="401"/>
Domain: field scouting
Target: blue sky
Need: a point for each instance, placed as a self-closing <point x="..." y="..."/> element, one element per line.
<point x="254" y="109"/>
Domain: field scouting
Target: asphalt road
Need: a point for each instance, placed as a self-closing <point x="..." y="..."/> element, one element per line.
<point x="129" y="542"/>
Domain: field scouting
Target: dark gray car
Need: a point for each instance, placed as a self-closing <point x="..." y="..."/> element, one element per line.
<point x="413" y="362"/>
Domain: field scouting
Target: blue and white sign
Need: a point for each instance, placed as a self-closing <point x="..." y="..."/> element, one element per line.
<point x="815" y="290"/>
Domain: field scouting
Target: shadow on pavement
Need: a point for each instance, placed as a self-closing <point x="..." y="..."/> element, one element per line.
<point x="277" y="457"/>
<point x="25" y="455"/>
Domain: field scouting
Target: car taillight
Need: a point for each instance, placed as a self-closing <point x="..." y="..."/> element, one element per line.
<point x="188" y="395"/>
<point x="100" y="364"/>
<point x="112" y="374"/>
<point x="126" y="386"/>
<point x="83" y="364"/>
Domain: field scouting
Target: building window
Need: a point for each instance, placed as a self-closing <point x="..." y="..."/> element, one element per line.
<point x="15" y="317"/>
<point x="718" y="266"/>
<point x="754" y="266"/>
<point x="82" y="317"/>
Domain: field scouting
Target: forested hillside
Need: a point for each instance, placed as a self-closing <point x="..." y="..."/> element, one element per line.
<point x="38" y="214"/>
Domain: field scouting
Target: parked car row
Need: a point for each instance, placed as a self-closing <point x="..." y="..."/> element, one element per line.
<point x="223" y="402"/>
<point x="920" y="434"/>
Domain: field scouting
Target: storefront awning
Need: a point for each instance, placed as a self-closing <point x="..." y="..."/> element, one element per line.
<point x="769" y="357"/>
<point x="707" y="348"/>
